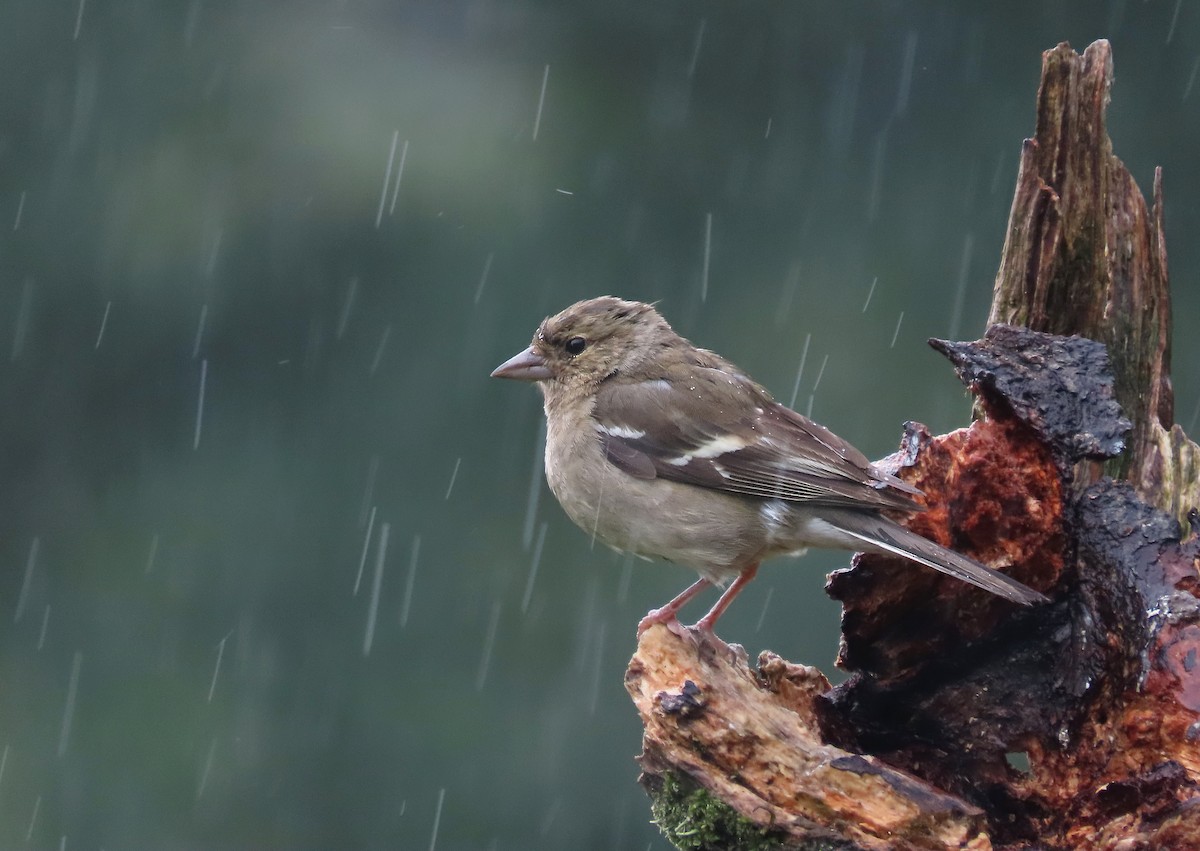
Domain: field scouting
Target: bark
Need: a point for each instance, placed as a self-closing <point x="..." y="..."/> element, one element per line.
<point x="966" y="724"/>
<point x="1083" y="255"/>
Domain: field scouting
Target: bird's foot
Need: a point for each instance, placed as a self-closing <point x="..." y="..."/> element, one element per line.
<point x="708" y="645"/>
<point x="666" y="617"/>
<point x="708" y="642"/>
<point x="707" y="624"/>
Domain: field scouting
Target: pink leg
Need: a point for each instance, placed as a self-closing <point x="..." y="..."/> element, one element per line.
<point x="667" y="613"/>
<point x="706" y="623"/>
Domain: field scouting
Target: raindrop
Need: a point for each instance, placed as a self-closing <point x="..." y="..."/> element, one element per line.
<point x="45" y="622"/>
<point x="619" y="818"/>
<point x="584" y="622"/>
<point x="707" y="253"/>
<point x="78" y="21"/>
<point x="347" y="306"/>
<point x="800" y="371"/>
<point x="844" y="100"/>
<point x="376" y="585"/>
<point x="369" y="490"/>
<point x="23" y="311"/>
<point x="21" y="208"/>
<point x="64" y="733"/>
<point x="696" y="47"/>
<point x="410" y="581"/>
<point x="1195" y="416"/>
<point x="204" y="772"/>
<point x="533" y="567"/>
<point x="535" y="486"/>
<point x="489" y="642"/>
<point x="564" y="191"/>
<point x="551" y="815"/>
<point x="816" y="384"/>
<point x="896" y="333"/>
<point x="537" y="119"/>
<point x="970" y="187"/>
<point x="633" y="225"/>
<point x="199" y="331"/>
<point x="103" y="324"/>
<point x="594" y="700"/>
<point x="870" y="293"/>
<point x="3" y="762"/>
<point x="626" y="577"/>
<point x="153" y="553"/>
<point x="362" y="559"/>
<point x="1187" y="90"/>
<point x="972" y="54"/>
<point x="23" y="595"/>
<point x="599" y="506"/>
<point x="1115" y="13"/>
<point x="212" y="686"/>
<point x="37" y="805"/>
<point x="790" y="284"/>
<point x="437" y="814"/>
<point x="1174" y="20"/>
<point x="453" y="476"/>
<point x="877" y="162"/>
<point x="200" y="404"/>
<point x="763" y="614"/>
<point x="767" y="132"/>
<point x="387" y="179"/>
<point x="997" y="174"/>
<point x="214" y="252"/>
<point x="906" y="72"/>
<point x="487" y="268"/>
<point x="399" y="174"/>
<point x="379" y="350"/>
<point x="960" y="294"/>
<point x="189" y="25"/>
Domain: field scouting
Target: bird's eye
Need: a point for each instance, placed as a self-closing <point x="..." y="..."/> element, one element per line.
<point x="575" y="345"/>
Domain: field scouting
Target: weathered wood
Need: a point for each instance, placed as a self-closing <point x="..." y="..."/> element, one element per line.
<point x="749" y="739"/>
<point x="1083" y="255"/>
<point x="964" y="723"/>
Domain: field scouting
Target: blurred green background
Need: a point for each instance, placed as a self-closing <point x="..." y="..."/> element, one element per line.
<point x="202" y="207"/>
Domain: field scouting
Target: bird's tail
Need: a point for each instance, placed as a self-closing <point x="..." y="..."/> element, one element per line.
<point x="878" y="534"/>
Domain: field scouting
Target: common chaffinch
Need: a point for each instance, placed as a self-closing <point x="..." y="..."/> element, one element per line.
<point x="663" y="449"/>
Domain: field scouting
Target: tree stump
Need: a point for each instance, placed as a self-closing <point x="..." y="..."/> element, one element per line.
<point x="966" y="724"/>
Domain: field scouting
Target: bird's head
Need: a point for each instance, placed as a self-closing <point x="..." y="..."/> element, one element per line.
<point x="589" y="342"/>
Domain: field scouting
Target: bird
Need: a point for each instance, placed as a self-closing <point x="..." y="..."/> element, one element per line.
<point x="662" y="449"/>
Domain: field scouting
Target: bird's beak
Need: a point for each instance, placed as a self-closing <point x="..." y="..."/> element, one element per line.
<point x="526" y="366"/>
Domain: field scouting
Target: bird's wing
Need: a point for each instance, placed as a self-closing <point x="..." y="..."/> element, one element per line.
<point x="716" y="428"/>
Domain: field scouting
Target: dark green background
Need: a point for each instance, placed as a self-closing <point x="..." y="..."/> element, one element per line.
<point x="229" y="157"/>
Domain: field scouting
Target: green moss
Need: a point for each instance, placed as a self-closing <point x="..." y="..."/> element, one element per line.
<point x="693" y="820"/>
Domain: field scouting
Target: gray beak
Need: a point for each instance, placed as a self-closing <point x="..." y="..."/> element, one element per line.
<point x="526" y="366"/>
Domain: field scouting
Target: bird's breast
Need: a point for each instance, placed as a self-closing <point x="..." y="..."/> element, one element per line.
<point x="714" y="532"/>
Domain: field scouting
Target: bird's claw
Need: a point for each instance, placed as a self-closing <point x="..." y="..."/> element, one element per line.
<point x="700" y="634"/>
<point x="663" y="616"/>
